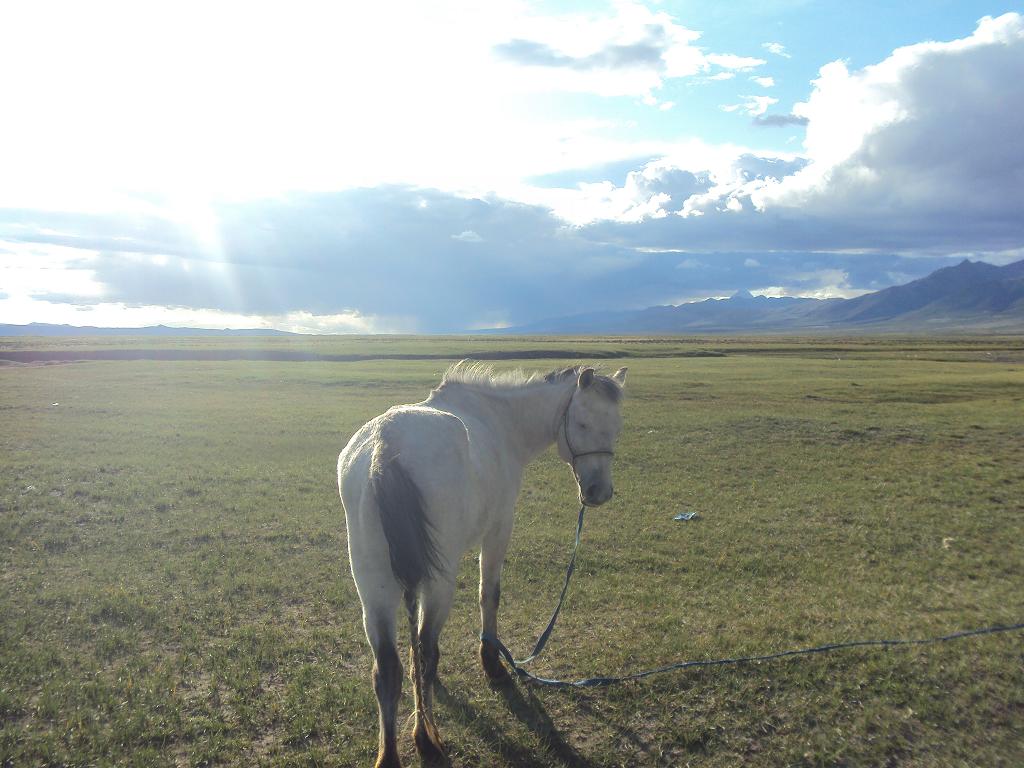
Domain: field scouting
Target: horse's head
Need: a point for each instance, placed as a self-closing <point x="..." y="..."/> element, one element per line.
<point x="590" y="426"/>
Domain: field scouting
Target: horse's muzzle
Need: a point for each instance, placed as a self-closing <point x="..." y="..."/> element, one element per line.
<point x="595" y="494"/>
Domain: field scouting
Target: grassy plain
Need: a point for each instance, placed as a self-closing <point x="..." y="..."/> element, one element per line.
<point x="174" y="585"/>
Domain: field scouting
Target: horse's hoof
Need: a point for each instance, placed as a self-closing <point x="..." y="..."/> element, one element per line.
<point x="502" y="680"/>
<point x="491" y="662"/>
<point x="388" y="760"/>
<point x="429" y="745"/>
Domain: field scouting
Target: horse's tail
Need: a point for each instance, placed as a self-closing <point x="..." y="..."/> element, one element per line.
<point x="411" y="545"/>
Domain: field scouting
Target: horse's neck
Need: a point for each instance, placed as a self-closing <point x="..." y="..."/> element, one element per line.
<point x="535" y="414"/>
<point x="525" y="418"/>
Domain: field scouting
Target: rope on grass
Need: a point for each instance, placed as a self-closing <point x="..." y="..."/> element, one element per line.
<point x="602" y="681"/>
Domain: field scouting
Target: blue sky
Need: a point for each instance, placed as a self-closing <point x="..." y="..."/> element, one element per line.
<point x="443" y="167"/>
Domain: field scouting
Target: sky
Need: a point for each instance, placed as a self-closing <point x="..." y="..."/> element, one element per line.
<point x="452" y="166"/>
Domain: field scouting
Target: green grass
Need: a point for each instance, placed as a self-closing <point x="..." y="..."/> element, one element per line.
<point x="953" y="347"/>
<point x="174" y="585"/>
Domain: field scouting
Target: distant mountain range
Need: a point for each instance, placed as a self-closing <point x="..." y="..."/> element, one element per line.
<point x="47" y="329"/>
<point x="973" y="296"/>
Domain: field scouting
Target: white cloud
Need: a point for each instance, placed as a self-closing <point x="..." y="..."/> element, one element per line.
<point x="34" y="269"/>
<point x="229" y="121"/>
<point x="732" y="61"/>
<point x="817" y="284"/>
<point x="21" y="310"/>
<point x="633" y="201"/>
<point x="32" y="273"/>
<point x="658" y="188"/>
<point x="753" y="106"/>
<point x="630" y="51"/>
<point x="489" y="320"/>
<point x="468" y="236"/>
<point x="108" y="95"/>
<point x="777" y="49"/>
<point x="751" y="263"/>
<point x="917" y="154"/>
<point x="758" y="105"/>
<point x="341" y="322"/>
<point x="764" y="82"/>
<point x="922" y="136"/>
<point x="264" y="101"/>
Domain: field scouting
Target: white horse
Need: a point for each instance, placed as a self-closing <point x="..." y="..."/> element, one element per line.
<point x="422" y="483"/>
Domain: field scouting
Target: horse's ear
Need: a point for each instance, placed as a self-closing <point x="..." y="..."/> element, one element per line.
<point x="586" y="378"/>
<point x="620" y="376"/>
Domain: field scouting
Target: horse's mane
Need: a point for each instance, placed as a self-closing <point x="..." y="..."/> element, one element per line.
<point x="478" y="375"/>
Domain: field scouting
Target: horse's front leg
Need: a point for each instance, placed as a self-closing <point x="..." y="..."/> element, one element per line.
<point x="492" y="556"/>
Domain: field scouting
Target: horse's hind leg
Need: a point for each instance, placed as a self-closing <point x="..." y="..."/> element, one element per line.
<point x="387" y="680"/>
<point x="435" y="603"/>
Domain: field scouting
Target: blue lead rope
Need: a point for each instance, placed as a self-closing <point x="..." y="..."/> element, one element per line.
<point x="596" y="682"/>
<point x="543" y="639"/>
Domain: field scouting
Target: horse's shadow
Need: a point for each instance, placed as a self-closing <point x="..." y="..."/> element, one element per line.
<point x="526" y="708"/>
